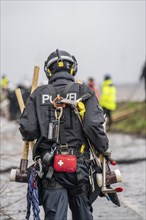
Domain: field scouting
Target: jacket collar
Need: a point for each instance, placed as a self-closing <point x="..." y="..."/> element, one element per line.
<point x="107" y="82"/>
<point x="61" y="76"/>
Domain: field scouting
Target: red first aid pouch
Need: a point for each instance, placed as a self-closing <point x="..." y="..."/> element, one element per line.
<point x="65" y="163"/>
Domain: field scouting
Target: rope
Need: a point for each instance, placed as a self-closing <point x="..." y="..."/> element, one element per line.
<point x="32" y="196"/>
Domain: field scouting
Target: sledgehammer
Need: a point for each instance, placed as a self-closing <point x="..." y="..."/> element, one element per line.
<point x="20" y="174"/>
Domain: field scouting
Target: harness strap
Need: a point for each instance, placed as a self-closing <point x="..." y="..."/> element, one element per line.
<point x="62" y="133"/>
<point x="67" y="88"/>
<point x="79" y="176"/>
<point x="63" y="94"/>
<point x="52" y="91"/>
<point x="50" y="173"/>
<point x="62" y="125"/>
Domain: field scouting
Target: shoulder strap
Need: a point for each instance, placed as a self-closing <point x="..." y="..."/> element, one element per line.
<point x="63" y="93"/>
<point x="67" y="88"/>
<point x="62" y="126"/>
<point x="52" y="91"/>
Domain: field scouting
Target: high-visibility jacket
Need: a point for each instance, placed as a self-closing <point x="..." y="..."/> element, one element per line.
<point x="108" y="95"/>
<point x="4" y="82"/>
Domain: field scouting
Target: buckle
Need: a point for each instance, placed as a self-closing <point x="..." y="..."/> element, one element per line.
<point x="64" y="147"/>
<point x="58" y="102"/>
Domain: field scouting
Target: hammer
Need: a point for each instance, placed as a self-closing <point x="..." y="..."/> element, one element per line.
<point x="113" y="178"/>
<point x="21" y="174"/>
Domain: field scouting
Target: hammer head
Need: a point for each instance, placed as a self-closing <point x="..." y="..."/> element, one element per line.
<point x="21" y="174"/>
<point x="17" y="176"/>
<point x="111" y="177"/>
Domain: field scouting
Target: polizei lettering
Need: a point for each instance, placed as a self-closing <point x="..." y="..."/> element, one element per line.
<point x="46" y="98"/>
<point x="71" y="96"/>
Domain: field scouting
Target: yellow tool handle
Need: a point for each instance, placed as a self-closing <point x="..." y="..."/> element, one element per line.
<point x="20" y="99"/>
<point x="35" y="78"/>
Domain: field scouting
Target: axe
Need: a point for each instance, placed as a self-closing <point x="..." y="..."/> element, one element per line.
<point x="20" y="174"/>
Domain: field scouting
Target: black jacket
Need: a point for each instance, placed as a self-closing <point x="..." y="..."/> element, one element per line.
<point x="34" y="121"/>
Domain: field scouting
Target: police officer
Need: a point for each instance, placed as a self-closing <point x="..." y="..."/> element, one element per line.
<point x="108" y="98"/>
<point x="60" y="188"/>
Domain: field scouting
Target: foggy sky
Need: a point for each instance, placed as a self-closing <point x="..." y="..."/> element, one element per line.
<point x="104" y="36"/>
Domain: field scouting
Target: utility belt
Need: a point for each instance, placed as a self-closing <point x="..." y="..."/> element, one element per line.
<point x="64" y="160"/>
<point x="61" y="164"/>
<point x="77" y="152"/>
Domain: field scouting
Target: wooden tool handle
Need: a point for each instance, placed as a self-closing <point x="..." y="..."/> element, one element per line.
<point x="25" y="150"/>
<point x="20" y="99"/>
<point x="35" y="78"/>
<point x="22" y="106"/>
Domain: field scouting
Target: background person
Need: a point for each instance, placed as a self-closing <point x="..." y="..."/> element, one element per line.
<point x="91" y="84"/>
<point x="108" y="98"/>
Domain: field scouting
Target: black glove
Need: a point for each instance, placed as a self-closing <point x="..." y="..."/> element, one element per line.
<point x="107" y="153"/>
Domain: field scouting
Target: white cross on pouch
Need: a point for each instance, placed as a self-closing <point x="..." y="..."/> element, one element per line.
<point x="60" y="163"/>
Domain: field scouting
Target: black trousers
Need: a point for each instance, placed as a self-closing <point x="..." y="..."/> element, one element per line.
<point x="64" y="189"/>
<point x="56" y="201"/>
<point x="55" y="204"/>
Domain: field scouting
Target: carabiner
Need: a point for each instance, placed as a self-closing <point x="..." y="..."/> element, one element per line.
<point x="58" y="113"/>
<point x="40" y="171"/>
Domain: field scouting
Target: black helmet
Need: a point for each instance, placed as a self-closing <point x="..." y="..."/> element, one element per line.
<point x="107" y="76"/>
<point x="60" y="60"/>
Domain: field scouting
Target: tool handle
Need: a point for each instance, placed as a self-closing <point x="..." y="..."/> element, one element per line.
<point x="104" y="172"/>
<point x="20" y="99"/>
<point x="22" y="106"/>
<point x="25" y="150"/>
<point x="35" y="78"/>
<point x="111" y="160"/>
